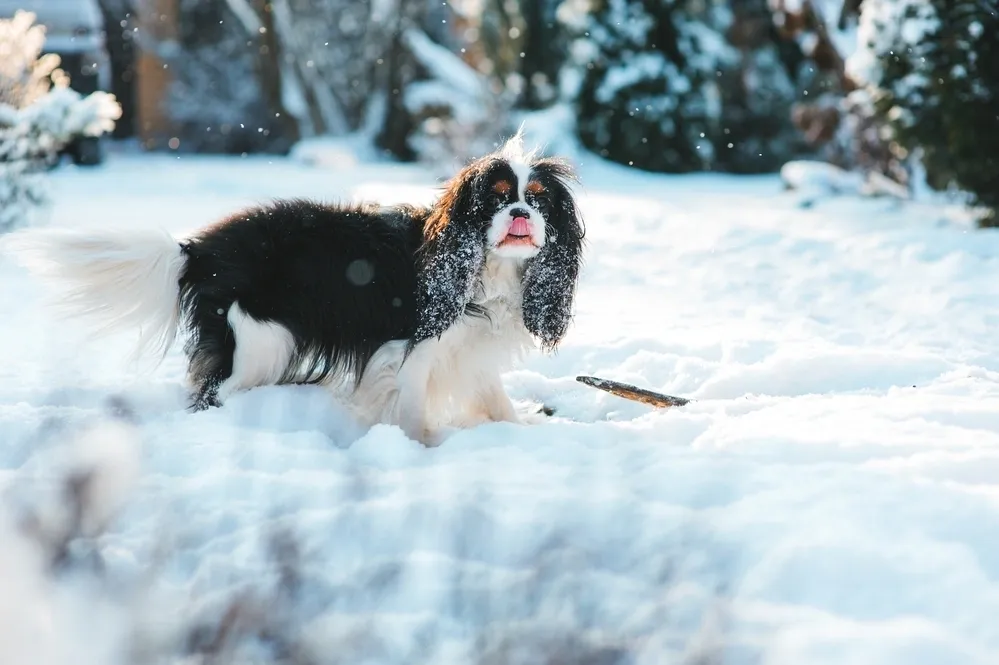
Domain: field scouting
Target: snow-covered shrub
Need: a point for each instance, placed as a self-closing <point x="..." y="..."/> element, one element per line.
<point x="337" y="45"/>
<point x="252" y="76"/>
<point x="24" y="74"/>
<point x="683" y="85"/>
<point x="931" y="69"/>
<point x="39" y="116"/>
<point x="462" y="113"/>
<point x="645" y="85"/>
<point x="215" y="99"/>
<point x="758" y="90"/>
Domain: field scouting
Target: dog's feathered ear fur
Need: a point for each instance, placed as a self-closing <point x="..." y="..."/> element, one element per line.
<point x="549" y="281"/>
<point x="450" y="260"/>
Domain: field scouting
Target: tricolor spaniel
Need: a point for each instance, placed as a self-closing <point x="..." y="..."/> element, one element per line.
<point x="415" y="310"/>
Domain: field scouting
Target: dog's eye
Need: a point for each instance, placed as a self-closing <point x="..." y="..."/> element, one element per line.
<point x="540" y="200"/>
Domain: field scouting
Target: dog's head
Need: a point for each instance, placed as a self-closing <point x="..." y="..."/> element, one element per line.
<point x="508" y="206"/>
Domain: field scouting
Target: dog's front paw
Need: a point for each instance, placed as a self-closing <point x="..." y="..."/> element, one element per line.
<point x="536" y="414"/>
<point x="436" y="437"/>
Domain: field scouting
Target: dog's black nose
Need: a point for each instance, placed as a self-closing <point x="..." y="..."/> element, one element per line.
<point x="520" y="212"/>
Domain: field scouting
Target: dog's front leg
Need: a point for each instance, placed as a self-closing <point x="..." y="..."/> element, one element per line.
<point x="497" y="406"/>
<point x="496" y="403"/>
<point x="411" y="405"/>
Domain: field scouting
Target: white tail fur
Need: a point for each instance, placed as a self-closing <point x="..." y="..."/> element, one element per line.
<point x="120" y="278"/>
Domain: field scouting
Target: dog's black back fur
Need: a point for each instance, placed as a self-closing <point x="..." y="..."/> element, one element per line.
<point x="340" y="278"/>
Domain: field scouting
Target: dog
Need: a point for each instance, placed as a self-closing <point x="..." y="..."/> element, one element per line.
<point x="415" y="310"/>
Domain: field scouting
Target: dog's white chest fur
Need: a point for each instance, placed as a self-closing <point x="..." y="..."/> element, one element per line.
<point x="454" y="379"/>
<point x="499" y="294"/>
<point x="479" y="346"/>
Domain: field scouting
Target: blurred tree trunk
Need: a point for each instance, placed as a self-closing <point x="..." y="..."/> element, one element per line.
<point x="544" y="53"/>
<point x="399" y="70"/>
<point x="268" y="65"/>
<point x="118" y="18"/>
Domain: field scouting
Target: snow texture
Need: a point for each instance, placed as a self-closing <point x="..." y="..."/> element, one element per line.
<point x="829" y="496"/>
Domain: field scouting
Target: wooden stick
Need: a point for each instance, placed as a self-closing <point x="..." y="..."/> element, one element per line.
<point x="633" y="393"/>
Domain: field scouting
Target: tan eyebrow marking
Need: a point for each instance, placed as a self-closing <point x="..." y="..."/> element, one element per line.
<point x="501" y="187"/>
<point x="535" y="187"/>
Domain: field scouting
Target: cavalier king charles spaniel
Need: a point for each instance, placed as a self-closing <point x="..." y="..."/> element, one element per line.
<point x="415" y="311"/>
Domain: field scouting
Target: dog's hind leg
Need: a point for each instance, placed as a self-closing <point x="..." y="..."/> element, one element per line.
<point x="207" y="395"/>
<point x="263" y="353"/>
<point x="211" y="359"/>
<point x="210" y="351"/>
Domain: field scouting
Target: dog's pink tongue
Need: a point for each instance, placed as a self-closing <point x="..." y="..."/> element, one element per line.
<point x="520" y="227"/>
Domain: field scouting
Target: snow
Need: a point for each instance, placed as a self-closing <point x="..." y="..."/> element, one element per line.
<point x="829" y="496"/>
<point x="885" y="25"/>
<point x="813" y="179"/>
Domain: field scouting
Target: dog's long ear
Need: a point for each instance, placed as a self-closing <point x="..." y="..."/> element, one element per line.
<point x="451" y="258"/>
<point x="549" y="282"/>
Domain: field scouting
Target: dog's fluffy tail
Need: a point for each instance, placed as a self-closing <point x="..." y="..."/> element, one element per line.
<point x="121" y="279"/>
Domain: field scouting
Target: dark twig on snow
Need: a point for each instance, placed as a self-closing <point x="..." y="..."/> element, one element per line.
<point x="635" y="394"/>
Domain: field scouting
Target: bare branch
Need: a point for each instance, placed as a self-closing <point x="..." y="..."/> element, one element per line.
<point x="633" y="393"/>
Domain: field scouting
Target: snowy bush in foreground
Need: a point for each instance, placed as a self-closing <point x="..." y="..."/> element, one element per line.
<point x="39" y="116"/>
<point x="931" y="69"/>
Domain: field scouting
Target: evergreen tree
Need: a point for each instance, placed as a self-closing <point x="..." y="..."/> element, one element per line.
<point x="647" y="90"/>
<point x="932" y="69"/>
<point x="758" y="92"/>
<point x="340" y="51"/>
<point x="685" y="85"/>
<point x="256" y="75"/>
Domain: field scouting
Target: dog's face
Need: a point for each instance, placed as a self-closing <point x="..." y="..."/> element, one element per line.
<point x="514" y="202"/>
<point x="518" y="200"/>
<point x="509" y="205"/>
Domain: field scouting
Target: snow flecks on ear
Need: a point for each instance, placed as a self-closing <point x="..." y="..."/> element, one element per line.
<point x="549" y="288"/>
<point x="448" y="280"/>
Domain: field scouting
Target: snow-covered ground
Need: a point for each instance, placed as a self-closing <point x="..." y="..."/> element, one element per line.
<point x="831" y="495"/>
